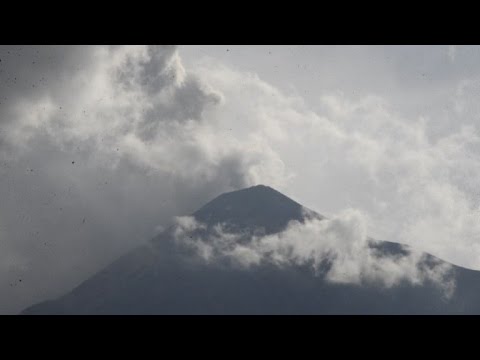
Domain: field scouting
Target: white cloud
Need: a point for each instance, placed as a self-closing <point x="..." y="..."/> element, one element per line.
<point x="341" y="241"/>
<point x="138" y="103"/>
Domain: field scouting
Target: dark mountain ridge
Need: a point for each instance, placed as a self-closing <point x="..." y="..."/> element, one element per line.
<point x="162" y="279"/>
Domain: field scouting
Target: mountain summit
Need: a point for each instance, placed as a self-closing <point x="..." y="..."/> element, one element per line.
<point x="161" y="278"/>
<point x="257" y="206"/>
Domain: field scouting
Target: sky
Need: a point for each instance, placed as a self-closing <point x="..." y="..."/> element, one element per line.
<point x="102" y="146"/>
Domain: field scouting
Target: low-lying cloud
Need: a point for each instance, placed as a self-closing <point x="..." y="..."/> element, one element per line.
<point x="340" y="242"/>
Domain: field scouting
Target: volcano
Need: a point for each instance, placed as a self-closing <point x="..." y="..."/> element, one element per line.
<point x="162" y="277"/>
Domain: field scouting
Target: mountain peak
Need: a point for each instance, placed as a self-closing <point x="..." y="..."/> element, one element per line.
<point x="259" y="187"/>
<point x="258" y="206"/>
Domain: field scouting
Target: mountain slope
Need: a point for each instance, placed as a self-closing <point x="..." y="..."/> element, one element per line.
<point x="162" y="278"/>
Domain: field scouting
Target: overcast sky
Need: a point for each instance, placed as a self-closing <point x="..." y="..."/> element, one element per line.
<point x="101" y="146"/>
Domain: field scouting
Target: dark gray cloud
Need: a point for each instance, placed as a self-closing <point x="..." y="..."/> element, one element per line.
<point x="34" y="71"/>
